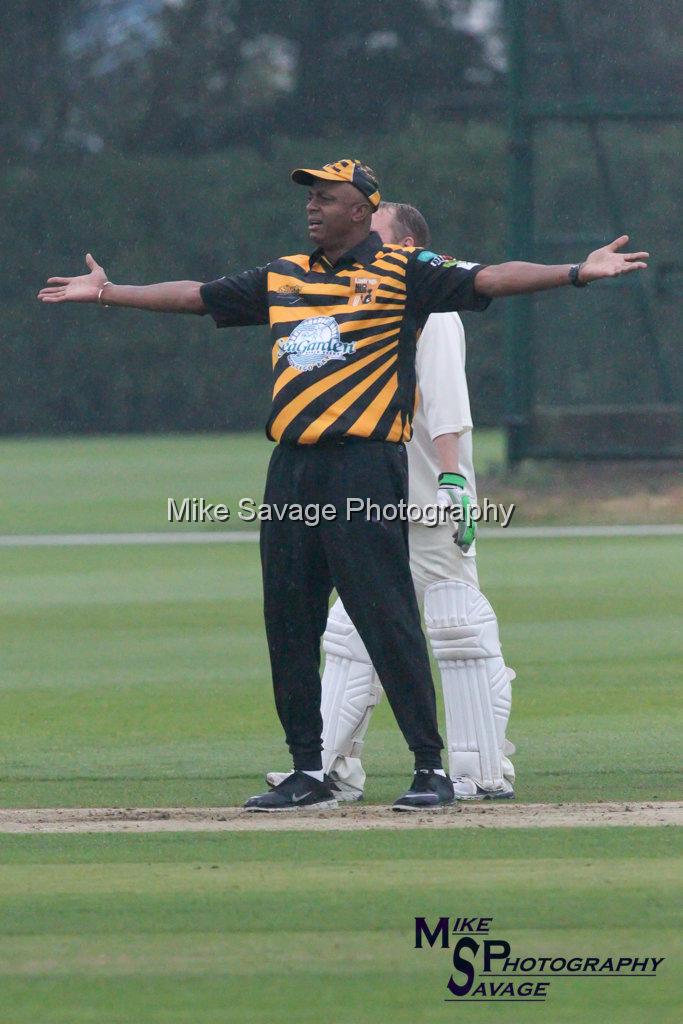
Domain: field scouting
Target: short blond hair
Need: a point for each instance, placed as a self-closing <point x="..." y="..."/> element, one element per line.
<point x="409" y="221"/>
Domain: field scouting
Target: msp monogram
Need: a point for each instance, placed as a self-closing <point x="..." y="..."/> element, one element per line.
<point x="484" y="968"/>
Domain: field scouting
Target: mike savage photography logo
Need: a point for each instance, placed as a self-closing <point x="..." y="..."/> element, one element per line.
<point x="199" y="510"/>
<point x="484" y="969"/>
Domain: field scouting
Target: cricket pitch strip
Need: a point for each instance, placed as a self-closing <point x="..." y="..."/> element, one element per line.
<point x="348" y="817"/>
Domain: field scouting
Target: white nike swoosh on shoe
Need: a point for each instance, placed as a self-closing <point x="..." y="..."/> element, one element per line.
<point x="298" y="799"/>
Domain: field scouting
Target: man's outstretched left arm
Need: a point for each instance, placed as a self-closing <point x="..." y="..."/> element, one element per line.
<point x="517" y="278"/>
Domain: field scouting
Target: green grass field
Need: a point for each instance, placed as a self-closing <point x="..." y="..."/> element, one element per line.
<point x="102" y="484"/>
<point x="139" y="676"/>
<point x="314" y="927"/>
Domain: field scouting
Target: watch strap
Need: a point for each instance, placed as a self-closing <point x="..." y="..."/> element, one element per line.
<point x="574" y="276"/>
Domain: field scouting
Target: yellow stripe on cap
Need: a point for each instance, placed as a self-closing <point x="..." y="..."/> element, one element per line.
<point x="351" y="171"/>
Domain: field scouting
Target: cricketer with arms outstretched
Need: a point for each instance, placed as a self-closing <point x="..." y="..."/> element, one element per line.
<point x="461" y="623"/>
<point x="344" y="321"/>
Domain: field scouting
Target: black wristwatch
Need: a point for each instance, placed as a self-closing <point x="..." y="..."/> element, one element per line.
<point x="574" y="276"/>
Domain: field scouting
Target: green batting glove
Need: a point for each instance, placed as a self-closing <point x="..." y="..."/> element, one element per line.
<point x="452" y="494"/>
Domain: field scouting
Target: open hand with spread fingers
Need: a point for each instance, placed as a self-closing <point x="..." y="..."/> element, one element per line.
<point x="608" y="262"/>
<point x="75" y="289"/>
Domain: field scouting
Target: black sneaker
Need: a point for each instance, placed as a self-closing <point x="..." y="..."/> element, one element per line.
<point x="343" y="791"/>
<point x="428" y="791"/>
<point x="296" y="791"/>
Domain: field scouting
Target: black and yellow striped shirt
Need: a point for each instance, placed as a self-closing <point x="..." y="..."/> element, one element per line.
<point x="344" y="336"/>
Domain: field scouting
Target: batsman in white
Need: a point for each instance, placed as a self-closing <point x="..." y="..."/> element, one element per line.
<point x="460" y="622"/>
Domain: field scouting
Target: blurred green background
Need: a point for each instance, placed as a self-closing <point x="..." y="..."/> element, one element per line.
<point x="160" y="137"/>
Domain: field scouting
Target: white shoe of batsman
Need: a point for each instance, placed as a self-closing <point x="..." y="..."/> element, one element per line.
<point x="466" y="788"/>
<point x="343" y="791"/>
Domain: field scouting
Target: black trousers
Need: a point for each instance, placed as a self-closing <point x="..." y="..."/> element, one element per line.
<point x="367" y="562"/>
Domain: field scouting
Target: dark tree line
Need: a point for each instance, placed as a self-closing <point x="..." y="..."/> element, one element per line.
<point x="159" y="134"/>
<point x="197" y="76"/>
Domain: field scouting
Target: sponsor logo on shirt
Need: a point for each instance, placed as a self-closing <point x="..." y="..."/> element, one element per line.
<point x="364" y="288"/>
<point x="443" y="261"/>
<point x="459" y="263"/>
<point x="314" y="342"/>
<point x="289" y="294"/>
<point x="426" y="256"/>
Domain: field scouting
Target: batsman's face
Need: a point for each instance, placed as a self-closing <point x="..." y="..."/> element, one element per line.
<point x="332" y="209"/>
<point x="383" y="224"/>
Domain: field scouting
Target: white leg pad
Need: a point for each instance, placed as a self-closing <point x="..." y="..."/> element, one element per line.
<point x="509" y="748"/>
<point x="350" y="690"/>
<point x="463" y="631"/>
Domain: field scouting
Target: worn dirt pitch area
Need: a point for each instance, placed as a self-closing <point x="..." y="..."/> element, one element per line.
<point x="346" y="818"/>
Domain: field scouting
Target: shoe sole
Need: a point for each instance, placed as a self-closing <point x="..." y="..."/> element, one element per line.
<point x="486" y="796"/>
<point x="414" y="808"/>
<point x="323" y="805"/>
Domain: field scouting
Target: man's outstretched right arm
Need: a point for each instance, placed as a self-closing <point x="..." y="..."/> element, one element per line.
<point x="167" y="297"/>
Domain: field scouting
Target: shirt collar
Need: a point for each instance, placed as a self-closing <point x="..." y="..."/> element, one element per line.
<point x="360" y="253"/>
